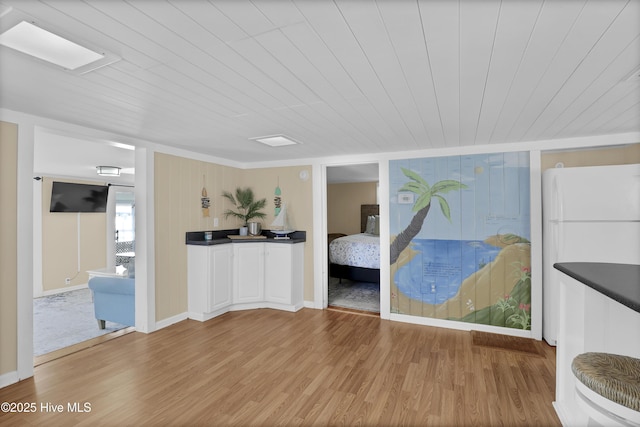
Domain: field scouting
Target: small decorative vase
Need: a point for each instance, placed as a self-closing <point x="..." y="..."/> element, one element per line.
<point x="244" y="231"/>
<point x="255" y="228"/>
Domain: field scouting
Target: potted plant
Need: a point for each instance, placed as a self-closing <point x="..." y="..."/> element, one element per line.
<point x="246" y="208"/>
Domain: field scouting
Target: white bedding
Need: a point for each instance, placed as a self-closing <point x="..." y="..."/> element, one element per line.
<point x="356" y="250"/>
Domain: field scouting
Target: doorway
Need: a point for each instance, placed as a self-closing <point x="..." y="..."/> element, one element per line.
<point x="121" y="220"/>
<point x="64" y="317"/>
<point x="353" y="280"/>
<point x="66" y="245"/>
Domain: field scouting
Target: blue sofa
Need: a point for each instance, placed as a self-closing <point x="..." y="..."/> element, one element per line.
<point x="114" y="300"/>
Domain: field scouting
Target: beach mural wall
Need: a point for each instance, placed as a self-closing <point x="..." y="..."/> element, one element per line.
<point x="460" y="238"/>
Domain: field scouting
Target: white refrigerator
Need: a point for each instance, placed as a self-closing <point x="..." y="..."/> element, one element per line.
<point x="590" y="214"/>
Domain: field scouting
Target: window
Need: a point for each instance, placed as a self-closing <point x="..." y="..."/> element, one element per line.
<point x="125" y="220"/>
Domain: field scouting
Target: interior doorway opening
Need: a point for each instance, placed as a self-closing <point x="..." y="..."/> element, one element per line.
<point x="68" y="245"/>
<point x="353" y="240"/>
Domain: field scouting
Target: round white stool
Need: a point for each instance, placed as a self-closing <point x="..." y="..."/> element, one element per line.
<point x="608" y="388"/>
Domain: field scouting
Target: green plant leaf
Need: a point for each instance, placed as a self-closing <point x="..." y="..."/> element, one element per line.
<point x="244" y="202"/>
<point x="447" y="185"/>
<point x="413" y="187"/>
<point x="229" y="196"/>
<point x="416" y="177"/>
<point x="422" y="202"/>
<point x="231" y="213"/>
<point x="444" y="206"/>
<point x="244" y="196"/>
<point x="253" y="210"/>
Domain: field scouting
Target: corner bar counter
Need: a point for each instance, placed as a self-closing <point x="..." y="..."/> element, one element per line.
<point x="220" y="237"/>
<point x="242" y="273"/>
<point x="599" y="312"/>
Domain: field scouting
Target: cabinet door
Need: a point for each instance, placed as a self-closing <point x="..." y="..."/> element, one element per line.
<point x="221" y="280"/>
<point x="278" y="268"/>
<point x="198" y="276"/>
<point x="249" y="272"/>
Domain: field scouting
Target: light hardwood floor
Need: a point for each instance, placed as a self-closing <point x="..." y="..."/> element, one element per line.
<point x="313" y="367"/>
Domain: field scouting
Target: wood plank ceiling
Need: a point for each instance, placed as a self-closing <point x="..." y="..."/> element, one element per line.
<point x="343" y="77"/>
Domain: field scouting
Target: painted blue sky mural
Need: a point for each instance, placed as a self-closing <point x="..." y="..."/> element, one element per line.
<point x="495" y="202"/>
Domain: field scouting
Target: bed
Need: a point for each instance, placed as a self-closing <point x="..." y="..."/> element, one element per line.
<point x="357" y="257"/>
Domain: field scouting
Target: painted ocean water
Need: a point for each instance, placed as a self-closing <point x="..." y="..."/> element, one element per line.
<point x="435" y="274"/>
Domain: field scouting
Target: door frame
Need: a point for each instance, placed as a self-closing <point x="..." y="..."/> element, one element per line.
<point x="321" y="292"/>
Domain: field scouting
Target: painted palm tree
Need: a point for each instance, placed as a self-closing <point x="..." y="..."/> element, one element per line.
<point x="424" y="194"/>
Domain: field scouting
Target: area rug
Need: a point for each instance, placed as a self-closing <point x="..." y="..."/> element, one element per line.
<point x="65" y="319"/>
<point x="505" y="342"/>
<point x="355" y="295"/>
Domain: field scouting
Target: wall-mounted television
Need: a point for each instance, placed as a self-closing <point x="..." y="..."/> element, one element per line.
<point x="73" y="197"/>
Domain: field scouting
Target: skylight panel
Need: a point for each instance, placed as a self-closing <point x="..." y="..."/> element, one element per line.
<point x="275" y="140"/>
<point x="47" y="46"/>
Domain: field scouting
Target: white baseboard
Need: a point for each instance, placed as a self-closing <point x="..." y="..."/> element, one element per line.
<point x="203" y="317"/>
<point x="171" y="320"/>
<point x="310" y="304"/>
<point x="61" y="290"/>
<point x="462" y="326"/>
<point x="8" y="378"/>
<point x="562" y="413"/>
<point x="283" y="307"/>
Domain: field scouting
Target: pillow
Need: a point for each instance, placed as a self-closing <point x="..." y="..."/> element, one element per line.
<point x="131" y="269"/>
<point x="370" y="225"/>
<point x="373" y="225"/>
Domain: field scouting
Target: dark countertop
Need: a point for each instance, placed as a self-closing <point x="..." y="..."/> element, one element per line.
<point x="220" y="237"/>
<point x="620" y="282"/>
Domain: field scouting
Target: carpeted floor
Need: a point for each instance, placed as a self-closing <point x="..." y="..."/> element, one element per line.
<point x="65" y="319"/>
<point x="354" y="295"/>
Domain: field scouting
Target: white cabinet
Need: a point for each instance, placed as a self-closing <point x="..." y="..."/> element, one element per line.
<point x="248" y="283"/>
<point x="220" y="277"/>
<point x="210" y="279"/>
<point x="284" y="275"/>
<point x="241" y="276"/>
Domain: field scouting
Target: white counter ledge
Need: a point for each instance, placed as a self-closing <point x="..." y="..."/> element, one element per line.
<point x="599" y="311"/>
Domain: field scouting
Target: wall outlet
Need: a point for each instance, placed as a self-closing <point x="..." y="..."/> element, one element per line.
<point x="215" y="222"/>
<point x="67" y="281"/>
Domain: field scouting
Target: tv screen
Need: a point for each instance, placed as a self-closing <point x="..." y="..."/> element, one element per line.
<point x="72" y="197"/>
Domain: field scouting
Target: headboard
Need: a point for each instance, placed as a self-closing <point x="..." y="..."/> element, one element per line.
<point x="365" y="211"/>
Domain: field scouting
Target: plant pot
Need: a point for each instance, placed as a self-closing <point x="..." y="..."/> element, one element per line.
<point x="255" y="228"/>
<point x="243" y="231"/>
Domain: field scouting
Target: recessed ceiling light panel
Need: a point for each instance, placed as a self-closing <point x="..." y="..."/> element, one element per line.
<point x="122" y="145"/>
<point x="275" y="140"/>
<point x="42" y="44"/>
<point x="108" y="170"/>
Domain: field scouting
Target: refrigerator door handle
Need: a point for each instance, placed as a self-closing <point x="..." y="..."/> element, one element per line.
<point x="558" y="199"/>
<point x="559" y="210"/>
